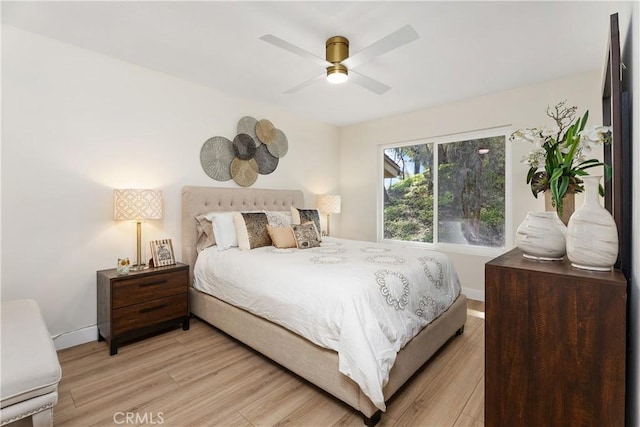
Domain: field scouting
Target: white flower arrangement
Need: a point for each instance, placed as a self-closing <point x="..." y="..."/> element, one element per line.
<point x="561" y="152"/>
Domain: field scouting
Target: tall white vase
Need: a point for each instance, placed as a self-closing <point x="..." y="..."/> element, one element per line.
<point x="592" y="238"/>
<point x="541" y="236"/>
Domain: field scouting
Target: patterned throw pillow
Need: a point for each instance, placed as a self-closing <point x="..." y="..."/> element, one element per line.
<point x="306" y="235"/>
<point x="279" y="218"/>
<point x="300" y="216"/>
<point x="251" y="230"/>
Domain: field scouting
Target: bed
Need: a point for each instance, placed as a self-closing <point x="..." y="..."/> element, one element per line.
<point x="317" y="364"/>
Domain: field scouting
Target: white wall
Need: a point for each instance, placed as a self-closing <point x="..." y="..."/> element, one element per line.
<point x="519" y="108"/>
<point x="75" y="125"/>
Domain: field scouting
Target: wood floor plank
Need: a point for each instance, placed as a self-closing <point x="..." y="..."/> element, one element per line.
<point x="124" y="398"/>
<point x="477" y="337"/>
<point x="411" y="390"/>
<point x="475" y="405"/>
<point x="441" y="403"/>
<point x="322" y="410"/>
<point x="465" y="420"/>
<point x="278" y="403"/>
<point x="203" y="377"/>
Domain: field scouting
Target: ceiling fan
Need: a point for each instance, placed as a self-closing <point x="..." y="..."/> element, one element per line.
<point x="339" y="65"/>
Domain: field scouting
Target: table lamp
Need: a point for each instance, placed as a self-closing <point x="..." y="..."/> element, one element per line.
<point x="137" y="205"/>
<point x="328" y="204"/>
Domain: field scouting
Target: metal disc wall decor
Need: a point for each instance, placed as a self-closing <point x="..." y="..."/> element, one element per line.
<point x="256" y="150"/>
<point x="266" y="162"/>
<point x="244" y="147"/>
<point x="279" y="147"/>
<point x="266" y="131"/>
<point x="248" y="125"/>
<point x="216" y="155"/>
<point x="244" y="172"/>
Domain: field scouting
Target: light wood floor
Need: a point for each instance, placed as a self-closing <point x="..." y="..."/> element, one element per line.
<point x="202" y="377"/>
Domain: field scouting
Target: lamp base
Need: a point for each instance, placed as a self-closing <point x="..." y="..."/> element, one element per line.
<point x="138" y="267"/>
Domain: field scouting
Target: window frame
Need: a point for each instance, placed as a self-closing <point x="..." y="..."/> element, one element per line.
<point x="445" y="139"/>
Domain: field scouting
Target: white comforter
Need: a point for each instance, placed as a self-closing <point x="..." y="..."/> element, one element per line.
<point x="363" y="300"/>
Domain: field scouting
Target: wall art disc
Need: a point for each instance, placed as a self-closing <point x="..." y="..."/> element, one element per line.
<point x="244" y="147"/>
<point x="266" y="131"/>
<point x="266" y="162"/>
<point x="279" y="147"/>
<point x="244" y="172"/>
<point x="216" y="155"/>
<point x="247" y="125"/>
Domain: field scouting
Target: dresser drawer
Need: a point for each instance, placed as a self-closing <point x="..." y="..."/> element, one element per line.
<point x="144" y="288"/>
<point x="149" y="313"/>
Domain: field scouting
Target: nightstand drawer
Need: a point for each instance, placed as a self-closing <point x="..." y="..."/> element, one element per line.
<point x="144" y="288"/>
<point x="149" y="313"/>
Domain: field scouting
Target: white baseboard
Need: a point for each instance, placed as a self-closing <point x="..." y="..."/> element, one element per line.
<point x="475" y="294"/>
<point x="73" y="338"/>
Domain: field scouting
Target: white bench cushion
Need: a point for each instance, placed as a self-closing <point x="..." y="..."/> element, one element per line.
<point x="30" y="364"/>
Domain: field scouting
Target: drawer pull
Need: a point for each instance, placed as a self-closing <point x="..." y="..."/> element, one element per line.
<point x="159" y="282"/>
<point x="157" y="307"/>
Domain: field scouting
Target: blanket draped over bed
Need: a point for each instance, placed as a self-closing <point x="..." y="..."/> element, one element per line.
<point x="363" y="300"/>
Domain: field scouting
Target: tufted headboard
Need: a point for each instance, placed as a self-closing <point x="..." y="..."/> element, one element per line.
<point x="201" y="200"/>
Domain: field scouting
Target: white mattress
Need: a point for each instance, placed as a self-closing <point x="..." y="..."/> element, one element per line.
<point x="363" y="300"/>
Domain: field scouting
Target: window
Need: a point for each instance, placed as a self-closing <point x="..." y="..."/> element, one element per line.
<point x="447" y="191"/>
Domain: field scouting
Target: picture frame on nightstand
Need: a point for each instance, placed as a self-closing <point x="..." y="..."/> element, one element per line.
<point x="162" y="252"/>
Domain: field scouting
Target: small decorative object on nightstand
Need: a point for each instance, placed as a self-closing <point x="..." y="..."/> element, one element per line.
<point x="141" y="302"/>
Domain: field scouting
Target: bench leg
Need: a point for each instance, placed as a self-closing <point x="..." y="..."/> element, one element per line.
<point x="43" y="419"/>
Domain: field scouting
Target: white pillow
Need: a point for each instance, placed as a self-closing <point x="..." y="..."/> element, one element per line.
<point x="224" y="230"/>
<point x="279" y="218"/>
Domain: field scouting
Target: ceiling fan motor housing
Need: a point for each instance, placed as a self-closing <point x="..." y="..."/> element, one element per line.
<point x="337" y="50"/>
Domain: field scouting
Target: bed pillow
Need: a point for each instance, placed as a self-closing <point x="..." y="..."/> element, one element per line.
<point x="282" y="237"/>
<point x="279" y="218"/>
<point x="251" y="230"/>
<point x="306" y="235"/>
<point x="300" y="216"/>
<point x="224" y="230"/>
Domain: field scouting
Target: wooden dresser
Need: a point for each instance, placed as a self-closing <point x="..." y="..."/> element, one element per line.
<point x="555" y="344"/>
<point x="141" y="302"/>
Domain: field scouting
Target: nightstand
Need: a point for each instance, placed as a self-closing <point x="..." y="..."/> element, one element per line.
<point x="141" y="302"/>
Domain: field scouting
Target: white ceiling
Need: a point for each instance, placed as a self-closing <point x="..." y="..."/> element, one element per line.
<point x="465" y="49"/>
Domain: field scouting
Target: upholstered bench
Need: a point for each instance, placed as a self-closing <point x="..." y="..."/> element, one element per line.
<point x="30" y="367"/>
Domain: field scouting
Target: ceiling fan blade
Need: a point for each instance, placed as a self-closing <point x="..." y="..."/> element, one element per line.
<point x="368" y="83"/>
<point x="283" y="44"/>
<point x="394" y="40"/>
<point x="305" y="83"/>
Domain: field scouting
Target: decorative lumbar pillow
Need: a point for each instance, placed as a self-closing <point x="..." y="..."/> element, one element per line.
<point x="305" y="235"/>
<point x="251" y="230"/>
<point x="282" y="237"/>
<point x="279" y="218"/>
<point x="224" y="230"/>
<point x="300" y="216"/>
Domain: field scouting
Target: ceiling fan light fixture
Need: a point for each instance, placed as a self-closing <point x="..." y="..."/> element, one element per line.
<point x="337" y="74"/>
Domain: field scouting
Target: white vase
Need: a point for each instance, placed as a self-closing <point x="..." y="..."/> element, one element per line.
<point x="592" y="238"/>
<point x="541" y="236"/>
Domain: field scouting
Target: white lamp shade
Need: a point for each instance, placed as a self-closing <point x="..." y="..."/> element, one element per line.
<point x="328" y="203"/>
<point x="132" y="204"/>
